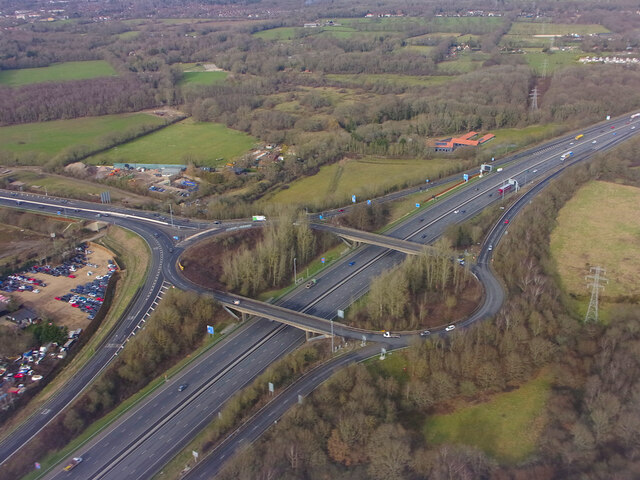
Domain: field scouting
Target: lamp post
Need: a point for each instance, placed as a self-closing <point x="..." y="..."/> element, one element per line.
<point x="295" y="272"/>
<point x="332" y="350"/>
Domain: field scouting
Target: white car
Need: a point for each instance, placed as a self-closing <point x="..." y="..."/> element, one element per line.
<point x="535" y="171"/>
<point x="449" y="328"/>
<point x="595" y="141"/>
<point x="490" y="247"/>
<point x="456" y="211"/>
<point x="236" y="302"/>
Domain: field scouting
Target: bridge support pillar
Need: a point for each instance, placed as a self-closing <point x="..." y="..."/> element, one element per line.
<point x="232" y="314"/>
<point x="346" y="242"/>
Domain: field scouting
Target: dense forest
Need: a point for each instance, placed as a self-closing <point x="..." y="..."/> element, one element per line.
<point x="363" y="424"/>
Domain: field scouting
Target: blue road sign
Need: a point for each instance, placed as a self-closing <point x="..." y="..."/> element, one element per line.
<point x="417" y="205"/>
<point x="176" y="238"/>
<point x="210" y="329"/>
<point x="353" y="198"/>
<point x="322" y="260"/>
<point x="368" y="202"/>
<point x="465" y="177"/>
<point x="320" y="217"/>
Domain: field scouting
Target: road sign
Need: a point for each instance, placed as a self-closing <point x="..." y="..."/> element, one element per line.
<point x="341" y="313"/>
<point x="210" y="329"/>
<point x="368" y="202"/>
<point x="353" y="198"/>
<point x="176" y="238"/>
<point x="271" y="387"/>
<point x="195" y="455"/>
<point x="37" y="465"/>
<point x="427" y="181"/>
<point x="417" y="205"/>
<point x="465" y="177"/>
<point x="323" y="260"/>
<point x="320" y="217"/>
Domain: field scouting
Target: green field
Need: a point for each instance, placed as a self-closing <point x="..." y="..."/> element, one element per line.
<point x="203" y="78"/>
<point x="182" y="142"/>
<point x="517" y="137"/>
<point x="50" y="138"/>
<point x="544" y="28"/>
<point x="406" y="80"/>
<point x="507" y="427"/>
<point x="58" y="72"/>
<point x="362" y="177"/>
<point x="599" y="226"/>
<point x="554" y="61"/>
<point x="464" y="63"/>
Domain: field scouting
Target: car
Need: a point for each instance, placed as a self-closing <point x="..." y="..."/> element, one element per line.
<point x="570" y="143"/>
<point x="155" y="234"/>
<point x="183" y="387"/>
<point x="456" y="211"/>
<point x="426" y="333"/>
<point x="490" y="247"/>
<point x="236" y="302"/>
<point x="449" y="328"/>
<point x="351" y="264"/>
<point x="18" y="375"/>
<point x="595" y="141"/>
<point x="170" y="249"/>
<point x="535" y="171"/>
<point x="506" y="221"/>
<point x="633" y="127"/>
<point x="612" y="127"/>
<point x="57" y="298"/>
<point x="341" y="210"/>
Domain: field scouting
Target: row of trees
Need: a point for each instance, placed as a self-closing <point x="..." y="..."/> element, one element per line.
<point x="270" y="263"/>
<point x="403" y="298"/>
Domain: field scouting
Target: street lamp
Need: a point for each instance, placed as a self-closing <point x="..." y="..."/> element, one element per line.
<point x="332" y="350"/>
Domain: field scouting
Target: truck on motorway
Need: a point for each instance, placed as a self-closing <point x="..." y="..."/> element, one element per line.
<point x="505" y="188"/>
<point x="564" y="156"/>
<point x="73" y="463"/>
<point x="635" y="115"/>
<point x="578" y="137"/>
<point x="258" y="218"/>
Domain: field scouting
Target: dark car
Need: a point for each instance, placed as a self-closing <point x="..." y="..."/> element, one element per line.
<point x="426" y="333"/>
<point x="183" y="387"/>
<point x="351" y="264"/>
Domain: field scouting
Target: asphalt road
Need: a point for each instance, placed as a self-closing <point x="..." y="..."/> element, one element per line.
<point x="342" y="283"/>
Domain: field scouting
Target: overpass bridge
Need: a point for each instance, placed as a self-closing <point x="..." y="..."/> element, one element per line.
<point x="404" y="246"/>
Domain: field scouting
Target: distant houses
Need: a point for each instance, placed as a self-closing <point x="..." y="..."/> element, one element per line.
<point x="466" y="140"/>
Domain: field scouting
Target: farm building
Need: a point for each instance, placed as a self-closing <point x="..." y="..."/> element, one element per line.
<point x="450" y="144"/>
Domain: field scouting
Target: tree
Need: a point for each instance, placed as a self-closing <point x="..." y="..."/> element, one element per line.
<point x="389" y="453"/>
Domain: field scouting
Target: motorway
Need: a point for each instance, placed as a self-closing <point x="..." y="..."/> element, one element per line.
<point x="337" y="287"/>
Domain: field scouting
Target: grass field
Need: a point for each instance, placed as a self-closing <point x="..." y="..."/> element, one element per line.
<point x="554" y="61"/>
<point x="506" y="427"/>
<point x="394" y="365"/>
<point x="362" y="177"/>
<point x="50" y="138"/>
<point x="203" y="78"/>
<point x="408" y="80"/>
<point x="544" y="28"/>
<point x="58" y="72"/>
<point x="464" y="63"/>
<point x="509" y="138"/>
<point x="200" y="142"/>
<point x="599" y="226"/>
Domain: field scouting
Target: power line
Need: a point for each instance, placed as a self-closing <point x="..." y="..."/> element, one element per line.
<point x="534" y="98"/>
<point x="596" y="277"/>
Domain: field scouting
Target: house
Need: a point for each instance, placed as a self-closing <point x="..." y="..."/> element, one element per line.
<point x="23" y="317"/>
<point x="466" y="140"/>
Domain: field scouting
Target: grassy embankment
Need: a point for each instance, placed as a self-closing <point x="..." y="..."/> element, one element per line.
<point x="58" y="72"/>
<point x="599" y="226"/>
<point x="133" y="253"/>
<point x="210" y="144"/>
